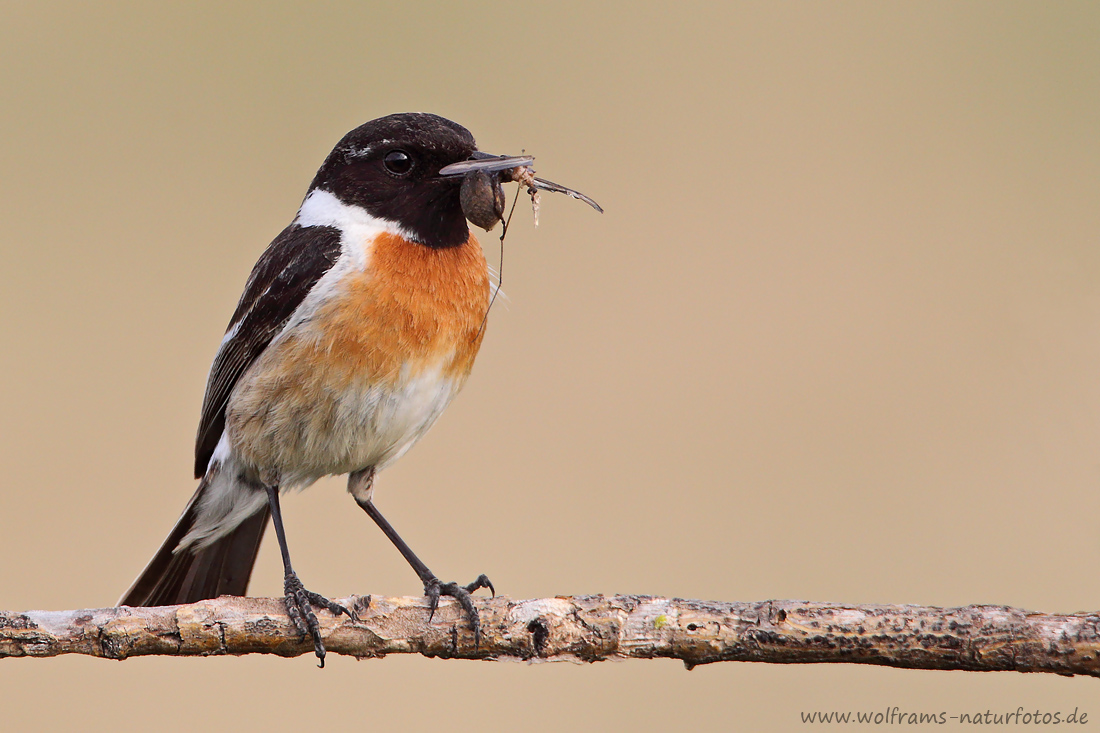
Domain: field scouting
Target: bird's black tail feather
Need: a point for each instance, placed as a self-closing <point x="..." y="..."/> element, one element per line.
<point x="221" y="568"/>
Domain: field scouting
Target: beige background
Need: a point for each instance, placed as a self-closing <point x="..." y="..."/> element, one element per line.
<point x="837" y="336"/>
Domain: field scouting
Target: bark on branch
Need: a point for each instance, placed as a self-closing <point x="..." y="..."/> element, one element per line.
<point x="585" y="629"/>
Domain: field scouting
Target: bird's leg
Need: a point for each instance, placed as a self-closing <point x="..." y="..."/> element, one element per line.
<point x="299" y="601"/>
<point x="361" y="486"/>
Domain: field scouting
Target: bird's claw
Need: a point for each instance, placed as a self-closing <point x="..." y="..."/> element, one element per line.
<point x="299" y="606"/>
<point x="434" y="588"/>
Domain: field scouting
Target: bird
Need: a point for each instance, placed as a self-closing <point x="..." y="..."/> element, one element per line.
<point x="357" y="326"/>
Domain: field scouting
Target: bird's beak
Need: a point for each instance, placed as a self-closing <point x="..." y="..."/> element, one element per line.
<point x="487" y="163"/>
<point x="482" y="196"/>
<point x="480" y="165"/>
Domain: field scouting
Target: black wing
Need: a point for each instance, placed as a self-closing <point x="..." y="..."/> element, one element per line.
<point x="285" y="273"/>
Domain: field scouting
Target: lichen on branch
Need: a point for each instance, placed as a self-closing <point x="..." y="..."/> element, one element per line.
<point x="584" y="629"/>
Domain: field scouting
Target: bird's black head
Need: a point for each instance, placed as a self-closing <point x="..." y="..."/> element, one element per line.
<point x="390" y="167"/>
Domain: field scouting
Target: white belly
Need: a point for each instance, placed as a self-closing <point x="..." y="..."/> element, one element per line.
<point x="293" y="432"/>
<point x="374" y="426"/>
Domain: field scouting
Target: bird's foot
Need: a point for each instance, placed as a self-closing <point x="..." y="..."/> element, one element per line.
<point x="433" y="589"/>
<point x="299" y="605"/>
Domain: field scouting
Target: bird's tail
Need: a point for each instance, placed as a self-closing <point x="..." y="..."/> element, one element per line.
<point x="199" y="570"/>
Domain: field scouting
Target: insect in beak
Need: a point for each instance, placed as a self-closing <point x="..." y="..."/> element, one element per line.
<point x="482" y="195"/>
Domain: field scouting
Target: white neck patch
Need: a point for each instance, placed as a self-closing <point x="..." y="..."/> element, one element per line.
<point x="323" y="209"/>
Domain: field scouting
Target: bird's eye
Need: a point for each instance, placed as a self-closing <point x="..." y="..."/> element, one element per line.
<point x="398" y="162"/>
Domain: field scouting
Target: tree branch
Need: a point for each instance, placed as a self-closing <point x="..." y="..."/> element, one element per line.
<point x="585" y="629"/>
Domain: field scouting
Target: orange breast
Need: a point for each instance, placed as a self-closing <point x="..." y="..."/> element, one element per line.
<point x="370" y="370"/>
<point x="413" y="308"/>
